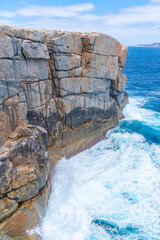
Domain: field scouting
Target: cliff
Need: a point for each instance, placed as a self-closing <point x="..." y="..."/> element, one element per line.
<point x="59" y="93"/>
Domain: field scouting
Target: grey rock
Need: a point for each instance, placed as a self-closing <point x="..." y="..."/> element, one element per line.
<point x="120" y="84"/>
<point x="83" y="85"/>
<point x="3" y="91"/>
<point x="7" y="207"/>
<point x="29" y="34"/>
<point x="101" y="44"/>
<point x="29" y="70"/>
<point x="33" y="70"/>
<point x="10" y="104"/>
<point x="17" y="44"/>
<point x="68" y="43"/>
<point x="71" y="73"/>
<point x="6" y="70"/>
<point x="6" y="48"/>
<point x="67" y="62"/>
<point x="8" y="89"/>
<point x="34" y="50"/>
<point x="6" y="173"/>
<point x="123" y="56"/>
<point x="5" y="237"/>
<point x="98" y="66"/>
<point x="38" y="93"/>
<point x="102" y="101"/>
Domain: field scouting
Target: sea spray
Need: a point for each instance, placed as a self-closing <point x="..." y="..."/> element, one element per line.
<point x="117" y="181"/>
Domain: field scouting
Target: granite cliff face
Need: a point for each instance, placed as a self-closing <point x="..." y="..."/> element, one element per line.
<point x="59" y="92"/>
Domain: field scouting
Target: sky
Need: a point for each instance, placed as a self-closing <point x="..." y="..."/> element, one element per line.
<point x="130" y="21"/>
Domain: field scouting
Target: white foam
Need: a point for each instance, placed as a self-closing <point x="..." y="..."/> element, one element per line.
<point x="134" y="111"/>
<point x="117" y="179"/>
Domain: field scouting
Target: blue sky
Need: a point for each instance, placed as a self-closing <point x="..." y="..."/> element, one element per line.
<point x="130" y="21"/>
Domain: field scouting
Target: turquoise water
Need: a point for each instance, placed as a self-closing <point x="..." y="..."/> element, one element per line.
<point x="112" y="190"/>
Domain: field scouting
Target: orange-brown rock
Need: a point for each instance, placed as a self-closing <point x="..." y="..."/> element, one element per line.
<point x="7" y="207"/>
<point x="22" y="224"/>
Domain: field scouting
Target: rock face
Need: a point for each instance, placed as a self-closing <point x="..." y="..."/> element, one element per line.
<point x="59" y="92"/>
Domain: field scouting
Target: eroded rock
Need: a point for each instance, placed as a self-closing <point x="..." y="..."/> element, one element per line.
<point x="34" y="50"/>
<point x="70" y="86"/>
<point x="120" y="83"/>
<point x="98" y="66"/>
<point x="6" y="172"/>
<point x="6" y="47"/>
<point x="24" y="220"/>
<point x="65" y="63"/>
<point x="7" y="207"/>
<point x="25" y="168"/>
<point x="59" y="92"/>
<point x="68" y="43"/>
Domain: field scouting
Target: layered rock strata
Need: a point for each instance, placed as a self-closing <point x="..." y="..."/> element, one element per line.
<point x="59" y="92"/>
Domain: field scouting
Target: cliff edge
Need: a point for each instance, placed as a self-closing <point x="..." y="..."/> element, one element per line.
<point x="59" y="92"/>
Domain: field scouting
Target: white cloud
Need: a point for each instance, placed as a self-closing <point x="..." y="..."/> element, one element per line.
<point x="155" y="1"/>
<point x="128" y="16"/>
<point x="89" y="17"/>
<point x="7" y="14"/>
<point x="22" y="2"/>
<point x="6" y="22"/>
<point x="129" y="35"/>
<point x="55" y="11"/>
<point x="136" y="15"/>
<point x="131" y="25"/>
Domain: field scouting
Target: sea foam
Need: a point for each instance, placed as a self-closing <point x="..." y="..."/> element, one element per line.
<point x="116" y="182"/>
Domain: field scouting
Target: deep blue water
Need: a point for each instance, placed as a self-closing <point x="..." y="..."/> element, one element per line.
<point x="143" y="73"/>
<point x="112" y="190"/>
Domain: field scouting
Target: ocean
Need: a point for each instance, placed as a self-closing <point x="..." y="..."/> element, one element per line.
<point x="112" y="190"/>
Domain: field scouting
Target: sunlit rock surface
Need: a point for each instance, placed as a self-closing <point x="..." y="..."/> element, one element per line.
<point x="59" y="93"/>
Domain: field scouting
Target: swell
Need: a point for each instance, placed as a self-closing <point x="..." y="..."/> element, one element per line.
<point x="151" y="133"/>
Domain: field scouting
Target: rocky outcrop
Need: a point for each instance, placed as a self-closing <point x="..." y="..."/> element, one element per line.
<point x="59" y="93"/>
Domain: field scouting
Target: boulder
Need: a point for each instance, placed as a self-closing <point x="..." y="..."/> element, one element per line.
<point x="25" y="167"/>
<point x="7" y="70"/>
<point x="70" y="73"/>
<point x="123" y="56"/>
<point x="101" y="44"/>
<point x="65" y="63"/>
<point x="120" y="84"/>
<point x="6" y="172"/>
<point x="68" y="43"/>
<point x="37" y="93"/>
<point x="98" y="66"/>
<point x="7" y="207"/>
<point x="34" y="50"/>
<point x="33" y="70"/>
<point x="82" y="85"/>
<point x="23" y="222"/>
<point x="6" y="47"/>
